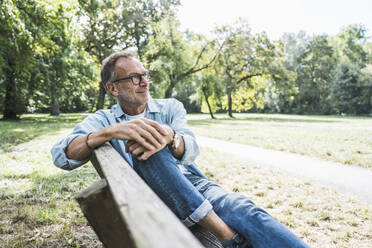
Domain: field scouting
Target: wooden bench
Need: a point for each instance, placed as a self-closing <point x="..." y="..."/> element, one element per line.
<point x="125" y="212"/>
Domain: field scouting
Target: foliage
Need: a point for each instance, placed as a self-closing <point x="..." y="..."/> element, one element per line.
<point x="211" y="89"/>
<point x="313" y="76"/>
<point x="117" y="25"/>
<point x="243" y="57"/>
<point x="351" y="83"/>
<point x="281" y="89"/>
<point x="22" y="26"/>
<point x="51" y="51"/>
<point x="248" y="97"/>
<point x="52" y="69"/>
<point x="175" y="61"/>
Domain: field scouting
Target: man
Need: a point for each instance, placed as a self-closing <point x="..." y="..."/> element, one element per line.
<point x="152" y="136"/>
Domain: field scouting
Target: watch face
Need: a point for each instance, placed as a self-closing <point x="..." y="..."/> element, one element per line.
<point x="176" y="141"/>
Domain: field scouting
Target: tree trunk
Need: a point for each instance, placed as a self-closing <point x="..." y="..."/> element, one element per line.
<point x="169" y="91"/>
<point x="10" y="102"/>
<point x="55" y="105"/>
<point x="102" y="89"/>
<point x="112" y="100"/>
<point x="206" y="99"/>
<point x="54" y="110"/>
<point x="101" y="97"/>
<point x="229" y="101"/>
<point x="137" y="37"/>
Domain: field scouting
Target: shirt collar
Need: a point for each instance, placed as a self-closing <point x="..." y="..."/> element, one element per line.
<point x="151" y="106"/>
<point x="118" y="112"/>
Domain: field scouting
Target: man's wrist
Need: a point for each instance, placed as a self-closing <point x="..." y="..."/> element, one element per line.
<point x="172" y="139"/>
<point x="87" y="143"/>
<point x="176" y="141"/>
<point x="108" y="133"/>
<point x="96" y="139"/>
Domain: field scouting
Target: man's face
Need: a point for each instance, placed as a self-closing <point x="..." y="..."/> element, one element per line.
<point x="127" y="93"/>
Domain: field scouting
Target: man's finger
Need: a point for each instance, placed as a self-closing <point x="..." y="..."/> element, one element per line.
<point x="129" y="144"/>
<point x="155" y="125"/>
<point x="145" y="155"/>
<point x="142" y="141"/>
<point x="132" y="147"/>
<point x="138" y="151"/>
<point x="154" y="132"/>
<point x="148" y="137"/>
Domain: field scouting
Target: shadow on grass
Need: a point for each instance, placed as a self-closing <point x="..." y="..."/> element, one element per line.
<point x="277" y="119"/>
<point x="207" y="122"/>
<point x="61" y="184"/>
<point x="34" y="125"/>
<point x="47" y="205"/>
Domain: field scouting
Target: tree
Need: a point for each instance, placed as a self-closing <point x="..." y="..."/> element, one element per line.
<point x="109" y="25"/>
<point x="243" y="57"/>
<point x="50" y="74"/>
<point x="22" y="26"/>
<point x="172" y="57"/>
<point x="314" y="72"/>
<point x="53" y="60"/>
<point x="281" y="89"/>
<point x="349" y="44"/>
<point x="366" y="83"/>
<point x="351" y="89"/>
<point x="211" y="88"/>
<point x="347" y="89"/>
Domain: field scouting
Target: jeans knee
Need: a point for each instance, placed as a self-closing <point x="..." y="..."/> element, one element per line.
<point x="163" y="155"/>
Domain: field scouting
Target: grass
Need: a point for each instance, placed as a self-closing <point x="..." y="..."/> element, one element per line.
<point x="322" y="217"/>
<point x="38" y="209"/>
<point x="346" y="140"/>
<point x="36" y="198"/>
<point x="31" y="126"/>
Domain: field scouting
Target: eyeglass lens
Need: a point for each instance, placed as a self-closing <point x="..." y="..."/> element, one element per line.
<point x="138" y="78"/>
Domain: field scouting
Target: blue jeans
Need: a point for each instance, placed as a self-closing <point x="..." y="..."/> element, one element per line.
<point x="191" y="196"/>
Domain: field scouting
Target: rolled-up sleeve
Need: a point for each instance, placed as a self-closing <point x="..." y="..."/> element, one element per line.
<point x="90" y="124"/>
<point x="179" y="123"/>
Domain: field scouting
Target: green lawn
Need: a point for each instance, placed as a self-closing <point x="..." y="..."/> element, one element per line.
<point x="34" y="125"/>
<point x="38" y="209"/>
<point x="341" y="139"/>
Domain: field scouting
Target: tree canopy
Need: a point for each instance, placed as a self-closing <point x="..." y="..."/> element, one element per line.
<point x="51" y="51"/>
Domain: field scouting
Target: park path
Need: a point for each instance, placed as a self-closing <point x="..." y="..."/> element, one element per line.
<point x="351" y="180"/>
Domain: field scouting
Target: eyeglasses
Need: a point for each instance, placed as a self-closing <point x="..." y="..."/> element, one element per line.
<point x="136" y="79"/>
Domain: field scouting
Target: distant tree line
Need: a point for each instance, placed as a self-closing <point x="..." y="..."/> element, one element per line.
<point x="50" y="55"/>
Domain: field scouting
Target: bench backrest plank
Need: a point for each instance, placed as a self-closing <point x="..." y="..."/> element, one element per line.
<point x="98" y="206"/>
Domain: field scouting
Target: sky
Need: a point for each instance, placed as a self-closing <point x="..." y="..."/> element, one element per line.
<point x="277" y="16"/>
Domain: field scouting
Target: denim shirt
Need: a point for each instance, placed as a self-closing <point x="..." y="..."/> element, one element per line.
<point x="164" y="111"/>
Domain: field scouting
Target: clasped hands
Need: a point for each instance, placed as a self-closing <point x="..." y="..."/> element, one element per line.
<point x="145" y="137"/>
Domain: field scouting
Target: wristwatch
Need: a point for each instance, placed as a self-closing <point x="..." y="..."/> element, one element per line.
<point x="176" y="141"/>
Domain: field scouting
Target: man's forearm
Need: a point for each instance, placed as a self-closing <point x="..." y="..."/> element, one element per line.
<point x="147" y="133"/>
<point x="80" y="147"/>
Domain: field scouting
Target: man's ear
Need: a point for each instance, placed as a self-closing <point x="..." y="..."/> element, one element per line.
<point x="112" y="88"/>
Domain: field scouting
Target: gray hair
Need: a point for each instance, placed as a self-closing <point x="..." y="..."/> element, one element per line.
<point x="108" y="73"/>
